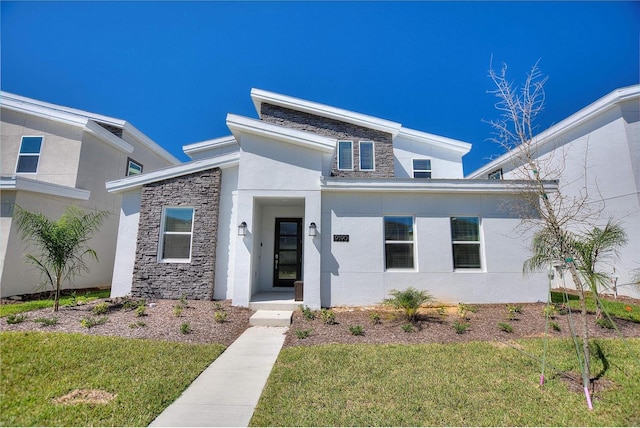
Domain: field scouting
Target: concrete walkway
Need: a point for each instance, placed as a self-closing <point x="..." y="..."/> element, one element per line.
<point x="227" y="392"/>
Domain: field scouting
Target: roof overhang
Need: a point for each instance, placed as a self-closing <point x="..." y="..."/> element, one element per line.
<point x="436" y="140"/>
<point x="552" y="134"/>
<point x="19" y="183"/>
<point x="240" y="124"/>
<point x="203" y="146"/>
<point x="411" y="185"/>
<point x="137" y="181"/>
<point x="260" y="96"/>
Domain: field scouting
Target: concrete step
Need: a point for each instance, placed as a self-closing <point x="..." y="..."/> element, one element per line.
<point x="267" y="318"/>
<point x="275" y="305"/>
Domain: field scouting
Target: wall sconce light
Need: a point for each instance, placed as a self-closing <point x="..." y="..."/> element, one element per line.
<point x="242" y="229"/>
<point x="313" y="229"/>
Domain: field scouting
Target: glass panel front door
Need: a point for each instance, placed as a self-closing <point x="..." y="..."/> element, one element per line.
<point x="287" y="263"/>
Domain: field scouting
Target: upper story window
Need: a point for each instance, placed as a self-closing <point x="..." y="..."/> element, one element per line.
<point x="29" y="155"/>
<point x="177" y="231"/>
<point x="495" y="175"/>
<point x="133" y="167"/>
<point x="367" y="160"/>
<point x="398" y="242"/>
<point x="465" y="237"/>
<point x="422" y="168"/>
<point x="345" y="155"/>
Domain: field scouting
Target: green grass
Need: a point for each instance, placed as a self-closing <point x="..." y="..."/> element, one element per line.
<point x="146" y="376"/>
<point x="32" y="305"/>
<point x="469" y="384"/>
<point x="616" y="309"/>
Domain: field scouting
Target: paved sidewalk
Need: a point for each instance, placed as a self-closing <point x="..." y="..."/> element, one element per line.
<point x="227" y="392"/>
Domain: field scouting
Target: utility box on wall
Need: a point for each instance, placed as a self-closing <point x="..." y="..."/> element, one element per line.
<point x="298" y="291"/>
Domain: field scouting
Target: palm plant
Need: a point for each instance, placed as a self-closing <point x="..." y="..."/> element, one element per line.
<point x="408" y="300"/>
<point x="62" y="244"/>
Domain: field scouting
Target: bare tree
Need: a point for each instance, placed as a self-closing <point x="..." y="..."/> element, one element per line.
<point x="559" y="214"/>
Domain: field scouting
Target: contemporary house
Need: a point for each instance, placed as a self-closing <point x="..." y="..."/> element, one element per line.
<point x="596" y="153"/>
<point x="345" y="206"/>
<point x="53" y="157"/>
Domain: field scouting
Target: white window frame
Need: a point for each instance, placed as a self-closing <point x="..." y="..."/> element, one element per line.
<point x="163" y="232"/>
<point x="495" y="175"/>
<point x="135" y="162"/>
<point x="392" y="242"/>
<point x="36" y="155"/>
<point x="373" y="155"/>
<point x="479" y="243"/>
<point x="414" y="170"/>
<point x="339" y="158"/>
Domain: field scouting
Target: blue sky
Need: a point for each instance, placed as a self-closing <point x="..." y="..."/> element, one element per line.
<point x="175" y="69"/>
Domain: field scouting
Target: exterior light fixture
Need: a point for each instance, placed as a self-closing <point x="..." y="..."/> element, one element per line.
<point x="313" y="229"/>
<point x="242" y="229"/>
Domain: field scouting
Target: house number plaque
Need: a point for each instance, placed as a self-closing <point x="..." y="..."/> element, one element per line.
<point x="340" y="238"/>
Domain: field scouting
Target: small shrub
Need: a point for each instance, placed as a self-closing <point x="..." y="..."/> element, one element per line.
<point x="356" y="330"/>
<point x="375" y="318"/>
<point x="137" y="324"/>
<point x="303" y="334"/>
<point x="141" y="310"/>
<point x="220" y="317"/>
<point x="409" y="301"/>
<point x="73" y="301"/>
<point x="177" y="310"/>
<point x="183" y="300"/>
<point x="605" y="323"/>
<point x="217" y="306"/>
<point x="46" y="322"/>
<point x="16" y="318"/>
<point x="328" y="316"/>
<point x="407" y="328"/>
<point x="442" y="311"/>
<point x="550" y="311"/>
<point x="100" y="308"/>
<point x="461" y="327"/>
<point x="308" y="313"/>
<point x="513" y="311"/>
<point x="185" y="328"/>
<point x="90" y="322"/>
<point x="555" y="326"/>
<point x="506" y="327"/>
<point x="129" y="304"/>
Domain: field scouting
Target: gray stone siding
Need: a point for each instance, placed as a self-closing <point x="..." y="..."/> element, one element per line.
<point x="195" y="279"/>
<point x="383" y="142"/>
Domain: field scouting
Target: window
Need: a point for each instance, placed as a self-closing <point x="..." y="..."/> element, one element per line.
<point x="29" y="154"/>
<point x="345" y="155"/>
<point x="177" y="230"/>
<point x="465" y="235"/>
<point x="496" y="175"/>
<point x="398" y="242"/>
<point x="133" y="167"/>
<point x="367" y="161"/>
<point x="422" y="168"/>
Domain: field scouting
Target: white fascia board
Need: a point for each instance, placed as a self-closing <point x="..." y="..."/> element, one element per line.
<point x="550" y="136"/>
<point x="108" y="137"/>
<point x="42" y="187"/>
<point x="240" y="124"/>
<point x="202" y="146"/>
<point x="431" y="186"/>
<point x="136" y="181"/>
<point x="260" y="96"/>
<point x="435" y="140"/>
<point x="149" y="143"/>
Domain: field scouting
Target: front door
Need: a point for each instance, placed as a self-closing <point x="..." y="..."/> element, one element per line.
<point x="287" y="255"/>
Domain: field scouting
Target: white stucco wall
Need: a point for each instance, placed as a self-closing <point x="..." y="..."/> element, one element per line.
<point x="125" y="254"/>
<point x="353" y="273"/>
<point x="444" y="163"/>
<point x="227" y="234"/>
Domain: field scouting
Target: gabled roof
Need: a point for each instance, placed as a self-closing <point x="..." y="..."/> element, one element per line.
<point x="550" y="136"/>
<point x="90" y="122"/>
<point x="136" y="181"/>
<point x="42" y="187"/>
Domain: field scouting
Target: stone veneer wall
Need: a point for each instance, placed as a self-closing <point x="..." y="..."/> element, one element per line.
<point x="194" y="280"/>
<point x="383" y="142"/>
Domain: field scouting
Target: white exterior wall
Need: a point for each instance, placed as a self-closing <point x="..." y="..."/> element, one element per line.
<point x="227" y="234"/>
<point x="444" y="163"/>
<point x="353" y="273"/>
<point x="125" y="254"/>
<point x="602" y="157"/>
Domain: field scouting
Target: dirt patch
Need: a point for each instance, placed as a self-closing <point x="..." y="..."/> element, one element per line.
<point x="573" y="381"/>
<point x="87" y="396"/>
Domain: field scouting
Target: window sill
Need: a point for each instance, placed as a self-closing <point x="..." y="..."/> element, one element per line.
<point x="469" y="270"/>
<point x="174" y="261"/>
<point x="401" y="270"/>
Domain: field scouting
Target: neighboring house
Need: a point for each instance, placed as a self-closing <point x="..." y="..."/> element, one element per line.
<point x="352" y="205"/>
<point x="53" y="157"/>
<point x="596" y="151"/>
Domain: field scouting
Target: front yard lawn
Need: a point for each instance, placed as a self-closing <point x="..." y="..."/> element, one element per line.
<point x="142" y="377"/>
<point x="466" y="384"/>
